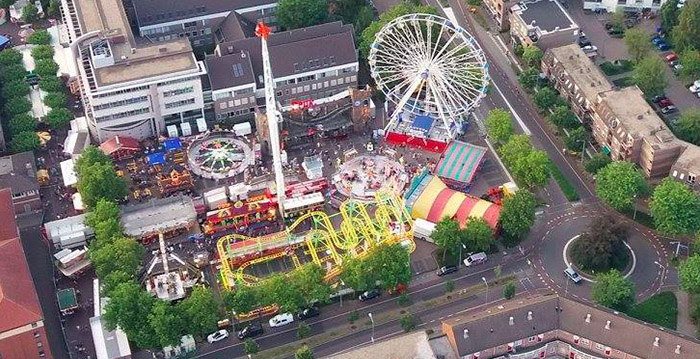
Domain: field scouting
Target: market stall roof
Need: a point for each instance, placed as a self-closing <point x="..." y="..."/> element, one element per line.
<point x="68" y="173"/>
<point x="432" y="200"/>
<point x="460" y="161"/>
<point x="172" y="144"/>
<point x="67" y="299"/>
<point x="118" y="143"/>
<point x="157" y="158"/>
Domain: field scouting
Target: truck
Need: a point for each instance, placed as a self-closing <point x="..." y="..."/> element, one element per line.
<point x="422" y="229"/>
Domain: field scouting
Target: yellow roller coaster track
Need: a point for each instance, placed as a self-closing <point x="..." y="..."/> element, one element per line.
<point x="391" y="224"/>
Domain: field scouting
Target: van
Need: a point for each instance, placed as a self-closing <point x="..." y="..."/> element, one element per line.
<point x="476" y="258"/>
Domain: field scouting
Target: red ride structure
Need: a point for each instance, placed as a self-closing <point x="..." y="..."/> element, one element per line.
<point x="240" y="214"/>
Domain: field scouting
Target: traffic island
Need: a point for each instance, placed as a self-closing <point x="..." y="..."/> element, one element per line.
<point x="622" y="259"/>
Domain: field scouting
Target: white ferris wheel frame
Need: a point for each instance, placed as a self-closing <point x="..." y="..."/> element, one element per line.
<point x="427" y="78"/>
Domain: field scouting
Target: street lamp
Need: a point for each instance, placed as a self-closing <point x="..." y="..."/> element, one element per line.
<point x="342" y="284"/>
<point x="372" y="320"/>
<point x="460" y="254"/>
<point x="634" y="204"/>
<point x="487" y="289"/>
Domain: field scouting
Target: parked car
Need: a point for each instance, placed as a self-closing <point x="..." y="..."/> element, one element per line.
<point x="665" y="103"/>
<point x="695" y="87"/>
<point x="583" y="41"/>
<point x="656" y="40"/>
<point x="217" y="336"/>
<point x="476" y="258"/>
<point x="658" y="98"/>
<point x="663" y="46"/>
<point x="668" y="109"/>
<point x="370" y="294"/>
<point x="573" y="275"/>
<point x="589" y="49"/>
<point x="677" y="68"/>
<point x="308" y="313"/>
<point x="671" y="57"/>
<point x="446" y="270"/>
<point x="281" y="320"/>
<point x="251" y="330"/>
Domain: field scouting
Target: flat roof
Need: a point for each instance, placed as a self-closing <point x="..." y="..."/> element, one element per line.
<point x="149" y="12"/>
<point x="157" y="214"/>
<point x="689" y="159"/>
<point x="546" y="15"/>
<point x="633" y="111"/>
<point x="582" y="70"/>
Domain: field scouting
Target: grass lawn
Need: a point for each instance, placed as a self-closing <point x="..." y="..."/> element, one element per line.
<point x="564" y="184"/>
<point x="624" y="82"/>
<point x="619" y="67"/>
<point x="661" y="309"/>
<point x="642" y="218"/>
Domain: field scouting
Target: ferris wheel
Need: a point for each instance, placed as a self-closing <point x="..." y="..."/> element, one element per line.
<point x="428" y="66"/>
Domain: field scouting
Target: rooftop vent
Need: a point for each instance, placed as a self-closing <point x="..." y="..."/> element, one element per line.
<point x="529" y="315"/>
<point x="678" y="349"/>
<point x="640" y="117"/>
<point x="466" y="333"/>
<point x="607" y="325"/>
<point x="588" y="318"/>
<point x="656" y="341"/>
<point x="511" y="321"/>
<point x="243" y="55"/>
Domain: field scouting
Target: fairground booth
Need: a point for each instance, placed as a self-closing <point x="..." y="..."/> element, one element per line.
<point x="459" y="164"/>
<point x="121" y="147"/>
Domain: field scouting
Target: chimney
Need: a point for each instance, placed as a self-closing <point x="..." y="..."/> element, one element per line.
<point x="656" y="341"/>
<point x="588" y="318"/>
<point x="466" y="333"/>
<point x="607" y="325"/>
<point x="511" y="321"/>
<point x="30" y="170"/>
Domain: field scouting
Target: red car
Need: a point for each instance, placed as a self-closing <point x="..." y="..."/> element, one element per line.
<point x="671" y="57"/>
<point x="665" y="102"/>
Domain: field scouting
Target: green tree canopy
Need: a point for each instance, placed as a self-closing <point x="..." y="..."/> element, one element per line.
<point x="200" y="311"/>
<point x="689" y="274"/>
<point x="107" y="230"/>
<point x="16" y="88"/>
<point x="46" y="67"/>
<point x="167" y="323"/>
<point x="55" y="100"/>
<point x="638" y="44"/>
<point x="251" y="346"/>
<point x="104" y="210"/>
<point x="688" y="126"/>
<point x="529" y="78"/>
<point x="478" y="235"/>
<point x="387" y="264"/>
<point x="22" y="123"/>
<point x="113" y="279"/>
<point x="128" y="309"/>
<point x="91" y="155"/>
<point x="277" y="289"/>
<point x="530" y="167"/>
<point x="356" y="275"/>
<point x="13" y="72"/>
<point x="51" y="84"/>
<point x="532" y="55"/>
<point x="407" y="322"/>
<point x="17" y="105"/>
<point x="596" y="249"/>
<point x="612" y="290"/>
<point x="499" y="125"/>
<point x="121" y="253"/>
<point x="617" y="20"/>
<point x="518" y="213"/>
<point x="4" y="4"/>
<point x="561" y="116"/>
<point x="403" y="8"/>
<point x="547" y="98"/>
<point x="309" y="280"/>
<point x="30" y="13"/>
<point x="304" y="352"/>
<point x="675" y="208"/>
<point x="597" y="162"/>
<point x="24" y="141"/>
<point x="690" y="62"/>
<point x="686" y="34"/>
<point x="59" y="117"/>
<point x="100" y="181"/>
<point x="294" y="14"/>
<point x="448" y="237"/>
<point x="54" y="9"/>
<point x="650" y="76"/>
<point x="618" y="183"/>
<point x="40" y="37"/>
<point x="10" y="57"/>
<point x="243" y="299"/>
<point x="42" y="52"/>
<point x="669" y="15"/>
<point x="577" y="137"/>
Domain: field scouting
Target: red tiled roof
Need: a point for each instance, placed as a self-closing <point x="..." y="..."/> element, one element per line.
<point x="19" y="303"/>
<point x="7" y="211"/>
<point x="118" y="143"/>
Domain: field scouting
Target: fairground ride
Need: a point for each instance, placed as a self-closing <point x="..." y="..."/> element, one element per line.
<point x="363" y="225"/>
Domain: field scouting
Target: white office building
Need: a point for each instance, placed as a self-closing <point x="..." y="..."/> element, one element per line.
<point x="623" y="5"/>
<point x="130" y="86"/>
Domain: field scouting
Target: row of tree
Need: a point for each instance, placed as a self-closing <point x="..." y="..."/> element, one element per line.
<point x="476" y="236"/>
<point x="14" y="91"/>
<point x="97" y="178"/>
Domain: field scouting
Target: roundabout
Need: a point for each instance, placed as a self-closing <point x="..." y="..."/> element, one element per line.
<point x="626" y="270"/>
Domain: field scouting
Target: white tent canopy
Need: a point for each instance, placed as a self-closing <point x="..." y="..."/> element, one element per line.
<point x="68" y="173"/>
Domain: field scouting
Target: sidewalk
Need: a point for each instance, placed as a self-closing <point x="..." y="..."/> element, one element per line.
<point x="685" y="326"/>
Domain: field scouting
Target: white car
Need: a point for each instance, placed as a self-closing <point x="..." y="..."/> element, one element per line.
<point x="695" y="87"/>
<point x="589" y="49"/>
<point x="217" y="336"/>
<point x="281" y="320"/>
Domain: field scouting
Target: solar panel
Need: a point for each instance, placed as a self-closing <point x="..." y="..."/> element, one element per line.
<point x="237" y="70"/>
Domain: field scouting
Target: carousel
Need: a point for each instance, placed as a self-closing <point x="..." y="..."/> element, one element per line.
<point x="219" y="155"/>
<point x="361" y="177"/>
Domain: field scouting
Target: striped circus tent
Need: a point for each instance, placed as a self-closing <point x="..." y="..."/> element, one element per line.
<point x="430" y="199"/>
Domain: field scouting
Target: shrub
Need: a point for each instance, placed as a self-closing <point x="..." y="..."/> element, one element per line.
<point x="408" y="322"/>
<point x="449" y="286"/>
<point x="10" y="57"/>
<point x="41" y="37"/>
<point x="59" y="118"/>
<point x="404" y="300"/>
<point x="509" y="290"/>
<point x="303" y="331"/>
<point x="354" y="316"/>
<point x="597" y="162"/>
<point x="55" y="100"/>
<point x="42" y="52"/>
<point x="46" y="68"/>
<point x="51" y="84"/>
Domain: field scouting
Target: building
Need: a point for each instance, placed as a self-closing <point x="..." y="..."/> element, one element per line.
<point x="18" y="173"/>
<point x="543" y="23"/>
<point x="687" y="167"/>
<point x="623" y="5"/>
<point x="17" y="9"/>
<point x="197" y="20"/>
<point x="22" y="331"/>
<point x="129" y="85"/>
<point x="109" y="344"/>
<point x="416" y="345"/>
<point x="500" y="10"/>
<point x="69" y="232"/>
<point x="549" y="326"/>
<point x="169" y="216"/>
<point x="326" y="66"/>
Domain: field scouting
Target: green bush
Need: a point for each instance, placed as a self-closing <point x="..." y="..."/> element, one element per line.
<point x="509" y="290"/>
<point x="55" y="100"/>
<point x="16" y="88"/>
<point x="13" y="72"/>
<point x="10" y="57"/>
<point x="22" y="123"/>
<point x="449" y="286"/>
<point x="251" y="346"/>
<point x="24" y="141"/>
<point x="404" y="300"/>
<point x="354" y="316"/>
<point x="41" y="37"/>
<point x="42" y="52"/>
<point x="51" y="84"/>
<point x="17" y="105"/>
<point x="303" y="330"/>
<point x="59" y="118"/>
<point x="46" y="68"/>
<point x="408" y="322"/>
<point x="597" y="162"/>
<point x="619" y="67"/>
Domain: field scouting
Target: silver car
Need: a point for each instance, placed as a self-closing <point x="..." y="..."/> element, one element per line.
<point x="573" y="275"/>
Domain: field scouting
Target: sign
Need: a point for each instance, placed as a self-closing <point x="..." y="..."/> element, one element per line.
<point x="302" y="104"/>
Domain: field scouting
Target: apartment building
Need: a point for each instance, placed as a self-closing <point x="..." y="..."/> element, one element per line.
<point x="543" y="23"/>
<point x="686" y="167"/>
<point x="197" y="20"/>
<point x="550" y="326"/>
<point x="130" y="86"/>
<point x="308" y="64"/>
<point x="18" y="173"/>
<point x="500" y="10"/>
<point x="623" y="5"/>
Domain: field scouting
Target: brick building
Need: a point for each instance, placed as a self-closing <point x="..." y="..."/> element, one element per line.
<point x="18" y="173"/>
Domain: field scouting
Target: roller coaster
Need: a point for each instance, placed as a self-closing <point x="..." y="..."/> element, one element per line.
<point x="322" y="243"/>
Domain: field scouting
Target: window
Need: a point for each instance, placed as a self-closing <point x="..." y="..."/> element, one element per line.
<point x="347" y="70"/>
<point x="599" y="347"/>
<point x="237" y="70"/>
<point x="123" y="114"/>
<point x="189" y="101"/>
<point x="341" y="81"/>
<point x="178" y="91"/>
<point x="189" y="24"/>
<point x="34" y="325"/>
<point x="691" y="178"/>
<point x="120" y="103"/>
<point x="223" y="106"/>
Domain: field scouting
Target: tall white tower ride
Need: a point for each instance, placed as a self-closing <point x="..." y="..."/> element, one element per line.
<point x="274" y="117"/>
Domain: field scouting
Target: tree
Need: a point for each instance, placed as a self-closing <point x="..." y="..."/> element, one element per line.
<point x="30" y="13"/>
<point x="107" y="230"/>
<point x="113" y="279"/>
<point x="91" y="155"/>
<point x="638" y="44"/>
<point x="355" y="275"/>
<point x="597" y="248"/>
<point x="690" y="64"/>
<point x="650" y="75"/>
<point x="24" y="141"/>
<point x="532" y="55"/>
<point x="22" y="123"/>
<point x="104" y="210"/>
<point x="309" y="280"/>
<point x="449" y="286"/>
<point x="619" y="183"/>
<point x="303" y="330"/>
<point x="42" y="52"/>
<point x="391" y="263"/>
<point x="40" y="37"/>
<point x="200" y="311"/>
<point x="304" y="352"/>
<point x="55" y="100"/>
<point x="675" y="208"/>
<point x="51" y="84"/>
<point x="547" y="98"/>
<point x="448" y="237"/>
<point x="478" y="235"/>
<point x="688" y="126"/>
<point x="365" y="16"/>
<point x="403" y="8"/>
<point x="243" y="300"/>
<point x="167" y="323"/>
<point x="669" y="15"/>
<point x="529" y="78"/>
<point x="561" y="116"/>
<point x="597" y="162"/>
<point x="46" y="67"/>
<point x="17" y="105"/>
<point x="100" y="181"/>
<point x="294" y="14"/>
<point x="509" y="290"/>
<point x="54" y="10"/>
<point x="278" y="289"/>
<point x="617" y="20"/>
<point x="129" y="308"/>
<point x="10" y="57"/>
<point x="577" y="138"/>
<point x="518" y="213"/>
<point x="16" y="88"/>
<point x="251" y="346"/>
<point x="121" y="253"/>
<point x="530" y="167"/>
<point x="58" y="117"/>
<point x="612" y="290"/>
<point x="4" y="4"/>
<point x="499" y="125"/>
<point x="13" y="72"/>
<point x="408" y="322"/>
<point x="689" y="274"/>
<point x="686" y="34"/>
